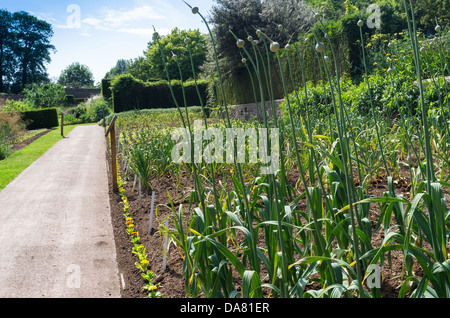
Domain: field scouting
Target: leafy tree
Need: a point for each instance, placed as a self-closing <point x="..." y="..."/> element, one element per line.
<point x="175" y="44"/>
<point x="295" y="16"/>
<point x="46" y="95"/>
<point x="5" y="47"/>
<point x="240" y="17"/>
<point x="31" y="48"/>
<point x="121" y="67"/>
<point x="76" y="75"/>
<point x="140" y="68"/>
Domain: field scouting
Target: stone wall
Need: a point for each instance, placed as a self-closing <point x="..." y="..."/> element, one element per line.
<point x="250" y="111"/>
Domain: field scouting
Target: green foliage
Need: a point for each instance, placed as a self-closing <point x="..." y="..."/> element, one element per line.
<point x="18" y="106"/>
<point x="129" y="94"/>
<point x="121" y="67"/>
<point x="175" y="43"/>
<point x="24" y="50"/>
<point x="42" y="118"/>
<point x="76" y="76"/>
<point x="46" y="95"/>
<point x="91" y="111"/>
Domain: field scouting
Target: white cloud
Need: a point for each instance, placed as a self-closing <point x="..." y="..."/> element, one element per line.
<point x="118" y="18"/>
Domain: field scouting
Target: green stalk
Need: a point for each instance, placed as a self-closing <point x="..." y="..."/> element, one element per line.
<point x="346" y="162"/>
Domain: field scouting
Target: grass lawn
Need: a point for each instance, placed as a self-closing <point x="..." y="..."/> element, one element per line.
<point x="12" y="166"/>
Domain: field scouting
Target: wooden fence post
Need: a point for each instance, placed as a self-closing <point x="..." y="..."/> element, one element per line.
<point x="112" y="132"/>
<point x="62" y="124"/>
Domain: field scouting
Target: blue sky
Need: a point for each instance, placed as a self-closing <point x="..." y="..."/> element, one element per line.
<point x="97" y="33"/>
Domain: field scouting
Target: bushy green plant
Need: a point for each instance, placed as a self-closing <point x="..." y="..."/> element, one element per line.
<point x="17" y="106"/>
<point x="46" y="95"/>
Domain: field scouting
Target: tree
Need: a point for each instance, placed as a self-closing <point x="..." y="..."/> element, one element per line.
<point x="121" y="67"/>
<point x="46" y="95"/>
<point x="295" y="16"/>
<point x="175" y="44"/>
<point x="140" y="68"/>
<point x="76" y="76"/>
<point x="240" y="17"/>
<point x="31" y="48"/>
<point x="5" y="47"/>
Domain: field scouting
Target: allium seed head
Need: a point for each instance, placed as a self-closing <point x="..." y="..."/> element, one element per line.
<point x="274" y="47"/>
<point x="360" y="23"/>
<point x="240" y="43"/>
<point x="195" y="10"/>
<point x="320" y="47"/>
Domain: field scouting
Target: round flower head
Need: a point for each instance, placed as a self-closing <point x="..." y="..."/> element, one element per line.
<point x="174" y="57"/>
<point x="258" y="32"/>
<point x="320" y="47"/>
<point x="306" y="40"/>
<point x="360" y="23"/>
<point x="288" y="47"/>
<point x="244" y="60"/>
<point x="326" y="58"/>
<point x="280" y="27"/>
<point x="250" y="38"/>
<point x="195" y="10"/>
<point x="186" y="41"/>
<point x="240" y="43"/>
<point x="390" y="45"/>
<point x="155" y="35"/>
<point x="317" y="16"/>
<point x="389" y="71"/>
<point x="274" y="47"/>
<point x="423" y="49"/>
<point x="438" y="28"/>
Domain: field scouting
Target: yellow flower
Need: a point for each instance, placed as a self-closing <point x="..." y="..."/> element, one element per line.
<point x="375" y="63"/>
<point x="153" y="288"/>
<point x="144" y="261"/>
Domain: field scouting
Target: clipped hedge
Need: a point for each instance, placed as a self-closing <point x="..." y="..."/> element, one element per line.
<point x="129" y="93"/>
<point x="42" y="118"/>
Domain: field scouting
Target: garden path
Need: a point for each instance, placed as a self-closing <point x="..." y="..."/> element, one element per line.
<point x="56" y="237"/>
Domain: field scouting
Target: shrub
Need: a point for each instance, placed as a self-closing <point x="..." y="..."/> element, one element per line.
<point x="130" y="94"/>
<point x="42" y="118"/>
<point x="46" y="95"/>
<point x="17" y="106"/>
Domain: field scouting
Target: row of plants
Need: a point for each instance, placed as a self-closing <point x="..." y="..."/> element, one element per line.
<point x="138" y="249"/>
<point x="317" y="228"/>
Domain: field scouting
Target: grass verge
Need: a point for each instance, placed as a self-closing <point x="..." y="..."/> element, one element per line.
<point x="12" y="166"/>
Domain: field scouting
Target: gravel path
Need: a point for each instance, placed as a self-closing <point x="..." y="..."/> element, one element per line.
<point x="56" y="237"/>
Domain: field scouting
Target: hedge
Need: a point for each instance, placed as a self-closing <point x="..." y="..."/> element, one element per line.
<point x="129" y="93"/>
<point x="42" y="118"/>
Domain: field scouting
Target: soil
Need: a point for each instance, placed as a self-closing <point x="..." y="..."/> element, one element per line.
<point x="171" y="280"/>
